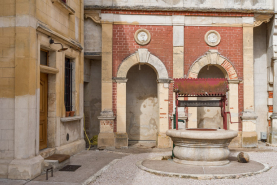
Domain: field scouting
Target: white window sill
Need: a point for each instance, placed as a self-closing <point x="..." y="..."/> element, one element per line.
<point x="73" y="118"/>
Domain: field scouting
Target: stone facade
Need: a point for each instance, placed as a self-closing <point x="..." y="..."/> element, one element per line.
<point x="178" y="30"/>
<point x="26" y="27"/>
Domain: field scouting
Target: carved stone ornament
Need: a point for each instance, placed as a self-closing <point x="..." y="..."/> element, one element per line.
<point x="261" y="18"/>
<point x="94" y="16"/>
<point x="142" y="37"/>
<point x="212" y="38"/>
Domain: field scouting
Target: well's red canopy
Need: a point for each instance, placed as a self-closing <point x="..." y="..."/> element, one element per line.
<point x="201" y="86"/>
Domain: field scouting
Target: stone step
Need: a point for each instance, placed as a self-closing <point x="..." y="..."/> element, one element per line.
<point x="57" y="161"/>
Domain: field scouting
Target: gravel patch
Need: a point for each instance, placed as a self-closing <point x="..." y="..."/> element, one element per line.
<point x="126" y="172"/>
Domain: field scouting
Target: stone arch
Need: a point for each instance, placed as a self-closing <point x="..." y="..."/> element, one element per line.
<point x="212" y="57"/>
<point x="142" y="56"/>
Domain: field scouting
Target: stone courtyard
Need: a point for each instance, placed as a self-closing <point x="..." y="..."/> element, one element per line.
<point x="114" y="167"/>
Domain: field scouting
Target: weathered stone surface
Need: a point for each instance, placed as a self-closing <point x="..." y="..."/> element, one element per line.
<point x="25" y="168"/>
<point x="71" y="148"/>
<point x="184" y="5"/>
<point x="106" y="126"/>
<point x="249" y="139"/>
<point x="142" y="116"/>
<point x="236" y="142"/>
<point x="105" y="139"/>
<point x="163" y="141"/>
<point x="121" y="140"/>
<point x="4" y="166"/>
<point x="234" y="170"/>
<point x="243" y="157"/>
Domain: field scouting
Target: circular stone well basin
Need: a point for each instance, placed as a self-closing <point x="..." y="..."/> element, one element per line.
<point x="202" y="147"/>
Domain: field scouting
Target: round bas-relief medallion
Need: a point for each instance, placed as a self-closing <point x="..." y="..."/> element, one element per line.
<point x="142" y="36"/>
<point x="212" y="38"/>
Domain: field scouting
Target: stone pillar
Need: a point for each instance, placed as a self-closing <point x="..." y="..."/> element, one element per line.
<point x="106" y="136"/>
<point x="106" y="72"/>
<point x="249" y="135"/>
<point x="274" y="114"/>
<point x="163" y="141"/>
<point x="178" y="60"/>
<point x="27" y="164"/>
<point x="233" y="104"/>
<point x="234" y="110"/>
<point x="121" y="137"/>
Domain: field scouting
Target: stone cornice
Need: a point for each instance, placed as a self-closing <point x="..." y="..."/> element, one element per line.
<point x="120" y="80"/>
<point x="248" y="115"/>
<point x="164" y="80"/>
<point x="41" y="27"/>
<point x="156" y="8"/>
<point x="234" y="81"/>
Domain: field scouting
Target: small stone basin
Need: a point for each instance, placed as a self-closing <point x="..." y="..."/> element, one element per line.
<point x="201" y="147"/>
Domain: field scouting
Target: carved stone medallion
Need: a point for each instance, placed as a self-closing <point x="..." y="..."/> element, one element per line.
<point x="212" y="38"/>
<point x="142" y="37"/>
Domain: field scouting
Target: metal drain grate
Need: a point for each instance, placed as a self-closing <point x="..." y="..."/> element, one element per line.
<point x="70" y="168"/>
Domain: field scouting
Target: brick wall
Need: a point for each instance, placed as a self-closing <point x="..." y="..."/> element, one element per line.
<point x="160" y="45"/>
<point x="231" y="47"/>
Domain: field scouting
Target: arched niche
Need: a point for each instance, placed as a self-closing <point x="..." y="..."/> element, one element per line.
<point x="144" y="57"/>
<point x="213" y="58"/>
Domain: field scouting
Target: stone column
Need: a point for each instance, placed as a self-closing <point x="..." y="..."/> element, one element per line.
<point x="121" y="137"/>
<point x="249" y="135"/>
<point x="163" y="141"/>
<point x="274" y="114"/>
<point x="107" y="115"/>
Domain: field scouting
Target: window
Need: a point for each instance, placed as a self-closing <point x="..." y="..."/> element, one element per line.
<point x="68" y="85"/>
<point x="44" y="57"/>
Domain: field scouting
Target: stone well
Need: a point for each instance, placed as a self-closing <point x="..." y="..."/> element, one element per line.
<point x="202" y="147"/>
